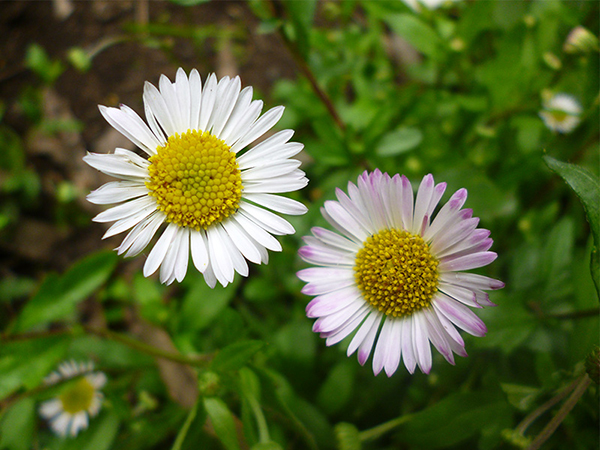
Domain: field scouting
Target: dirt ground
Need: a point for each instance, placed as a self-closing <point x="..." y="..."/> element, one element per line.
<point x="219" y="36"/>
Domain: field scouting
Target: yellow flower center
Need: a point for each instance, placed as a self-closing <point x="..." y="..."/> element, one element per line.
<point x="396" y="272"/>
<point x="195" y="179"/>
<point x="78" y="397"/>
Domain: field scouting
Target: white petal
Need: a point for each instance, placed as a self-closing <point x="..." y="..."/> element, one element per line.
<point x="408" y="352"/>
<point x="266" y="219"/>
<point x="139" y="237"/>
<point x="182" y="90"/>
<point x="239" y="262"/>
<point x="235" y="123"/>
<point x="159" y="251"/>
<point x="265" y="149"/>
<point x="260" y="127"/>
<point x="196" y="98"/>
<point x="271" y="170"/>
<point x="116" y="166"/>
<point x="126" y="209"/>
<point x="199" y="250"/>
<point x="127" y="222"/>
<point x="384" y="346"/>
<point x="364" y="350"/>
<point x="157" y="104"/>
<point x="219" y="257"/>
<point x="276" y="185"/>
<point x="167" y="91"/>
<point x="257" y="233"/>
<point x="225" y="107"/>
<point x="50" y="408"/>
<point x="130" y="125"/>
<point x="80" y="422"/>
<point x="208" y="101"/>
<point x="421" y="343"/>
<point x="242" y="241"/>
<point x="277" y="203"/>
<point x="117" y="192"/>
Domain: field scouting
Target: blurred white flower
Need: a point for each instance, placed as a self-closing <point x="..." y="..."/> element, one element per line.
<point x="429" y="4"/>
<point x="580" y="40"/>
<point x="214" y="201"/>
<point x="394" y="276"/>
<point x="561" y="112"/>
<point x="81" y="399"/>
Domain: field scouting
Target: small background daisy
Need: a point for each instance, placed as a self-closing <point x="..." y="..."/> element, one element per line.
<point x="561" y="112"/>
<point x="79" y="400"/>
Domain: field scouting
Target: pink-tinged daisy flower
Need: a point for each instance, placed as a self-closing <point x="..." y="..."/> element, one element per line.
<point x="81" y="399"/>
<point x="393" y="274"/>
<point x="199" y="179"/>
<point x="562" y="112"/>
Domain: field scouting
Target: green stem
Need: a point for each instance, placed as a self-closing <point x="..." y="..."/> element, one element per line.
<point x="593" y="312"/>
<point x="582" y="384"/>
<point x="263" y="429"/>
<point x="522" y="427"/>
<point x="306" y="70"/>
<point x="380" y="430"/>
<point x="198" y="361"/>
<point x="186" y="426"/>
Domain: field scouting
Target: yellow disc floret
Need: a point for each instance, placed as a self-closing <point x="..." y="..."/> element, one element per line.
<point x="195" y="179"/>
<point x="78" y="397"/>
<point x="396" y="272"/>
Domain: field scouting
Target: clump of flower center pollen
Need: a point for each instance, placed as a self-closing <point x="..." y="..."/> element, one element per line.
<point x="78" y="397"/>
<point x="195" y="179"/>
<point x="396" y="272"/>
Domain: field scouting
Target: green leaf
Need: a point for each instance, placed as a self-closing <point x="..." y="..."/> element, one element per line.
<point x="222" y="421"/>
<point x="454" y="419"/>
<point x="202" y="305"/>
<point x="16" y="428"/>
<point x="301" y="13"/>
<point x="267" y="446"/>
<point x="399" y="141"/>
<point x="414" y="30"/>
<point x="587" y="188"/>
<point x="236" y="355"/>
<point x="104" y="434"/>
<point x="347" y="436"/>
<point x="59" y="295"/>
<point x="42" y="357"/>
<point x="186" y="426"/>
<point x="337" y="390"/>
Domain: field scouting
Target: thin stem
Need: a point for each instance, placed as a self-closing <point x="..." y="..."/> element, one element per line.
<point x="527" y="421"/>
<point x="380" y="430"/>
<point x="263" y="429"/>
<point x="593" y="312"/>
<point x="186" y="426"/>
<point x="197" y="361"/>
<point x="307" y="71"/>
<point x="582" y="384"/>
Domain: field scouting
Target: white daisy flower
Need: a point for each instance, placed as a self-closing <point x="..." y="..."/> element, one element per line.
<point x="393" y="275"/>
<point x="561" y="113"/>
<point x="416" y="5"/>
<point x="214" y="198"/>
<point x="70" y="411"/>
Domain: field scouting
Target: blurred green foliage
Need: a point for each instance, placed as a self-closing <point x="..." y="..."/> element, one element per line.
<point x="453" y="91"/>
